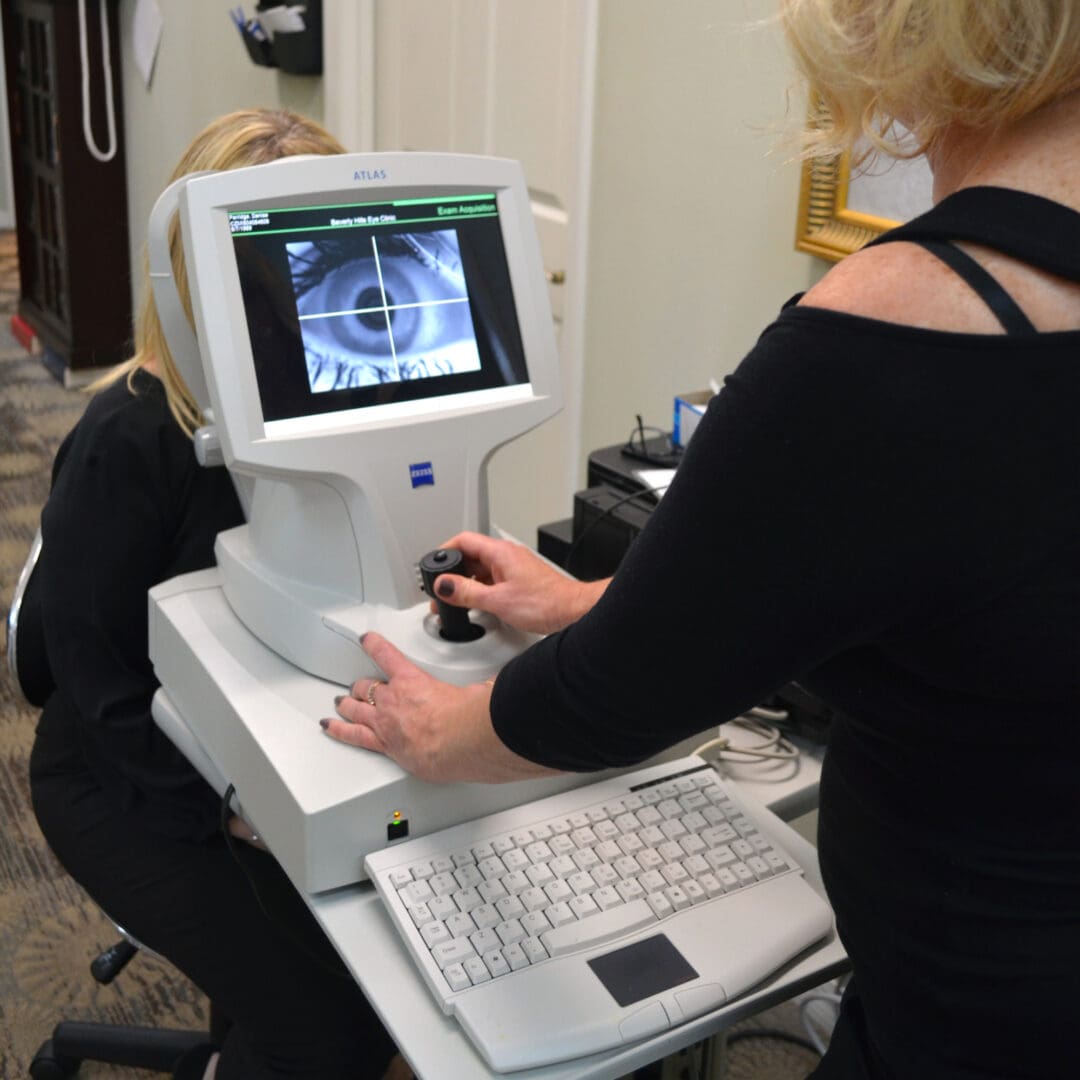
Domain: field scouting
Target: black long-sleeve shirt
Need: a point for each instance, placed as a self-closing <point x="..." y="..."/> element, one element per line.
<point x="890" y="515"/>
<point x="129" y="508"/>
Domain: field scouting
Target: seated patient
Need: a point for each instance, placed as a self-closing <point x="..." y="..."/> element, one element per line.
<point x="123" y="810"/>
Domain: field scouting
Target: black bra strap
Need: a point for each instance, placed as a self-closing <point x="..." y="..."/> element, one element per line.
<point x="1004" y="307"/>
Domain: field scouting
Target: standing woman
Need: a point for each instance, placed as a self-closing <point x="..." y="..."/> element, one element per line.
<point x="123" y="810"/>
<point x="905" y="440"/>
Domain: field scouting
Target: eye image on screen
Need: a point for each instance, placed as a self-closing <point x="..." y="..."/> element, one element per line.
<point x="383" y="308"/>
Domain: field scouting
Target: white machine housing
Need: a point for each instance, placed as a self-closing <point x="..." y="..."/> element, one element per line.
<point x="336" y="517"/>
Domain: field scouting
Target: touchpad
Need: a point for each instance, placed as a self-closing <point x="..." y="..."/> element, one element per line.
<point x="640" y="970"/>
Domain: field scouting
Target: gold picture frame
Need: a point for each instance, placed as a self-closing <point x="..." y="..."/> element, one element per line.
<point x="826" y="226"/>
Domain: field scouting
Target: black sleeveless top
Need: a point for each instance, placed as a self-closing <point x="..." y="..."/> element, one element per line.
<point x="889" y="515"/>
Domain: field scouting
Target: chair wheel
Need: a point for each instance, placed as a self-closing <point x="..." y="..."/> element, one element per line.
<point x="49" y="1065"/>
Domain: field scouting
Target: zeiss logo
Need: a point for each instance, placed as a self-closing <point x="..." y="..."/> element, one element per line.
<point x="369" y="174"/>
<point x="422" y="473"/>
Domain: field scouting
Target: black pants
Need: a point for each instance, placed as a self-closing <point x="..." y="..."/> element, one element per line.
<point x="295" y="1010"/>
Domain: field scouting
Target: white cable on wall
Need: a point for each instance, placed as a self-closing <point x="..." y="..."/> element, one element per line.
<point x="84" y="64"/>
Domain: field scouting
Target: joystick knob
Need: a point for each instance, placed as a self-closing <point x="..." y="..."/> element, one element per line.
<point x="454" y="621"/>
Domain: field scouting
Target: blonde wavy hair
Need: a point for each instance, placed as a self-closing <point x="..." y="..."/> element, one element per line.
<point x="927" y="65"/>
<point x="238" y="139"/>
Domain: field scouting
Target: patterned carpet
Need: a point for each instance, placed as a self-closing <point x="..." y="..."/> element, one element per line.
<point x="49" y="929"/>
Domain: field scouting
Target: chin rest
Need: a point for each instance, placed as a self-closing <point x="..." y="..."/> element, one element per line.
<point x="74" y="1041"/>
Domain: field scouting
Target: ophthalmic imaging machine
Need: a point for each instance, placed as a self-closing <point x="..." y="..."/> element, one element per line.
<point x="371" y="328"/>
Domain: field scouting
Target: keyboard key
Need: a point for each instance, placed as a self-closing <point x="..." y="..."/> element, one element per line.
<point x="627" y="867"/>
<point x="742" y="848"/>
<point x="563" y="866"/>
<point x="534" y="923"/>
<point x="670" y="851"/>
<point x="539" y="852"/>
<point x="510" y="931"/>
<point x="400" y="878"/>
<point x="421" y="914"/>
<point x="434" y="932"/>
<point x="652" y="881"/>
<point x="442" y="907"/>
<point x="582" y="883"/>
<point x="490" y="891"/>
<point x="608" y="850"/>
<point x="776" y="861"/>
<point x="659" y="904"/>
<point x="534" y="949"/>
<point x="673" y="828"/>
<point x="583" y="907"/>
<point x="485" y="940"/>
<point x="629" y="889"/>
<point x="761" y="869"/>
<point x="695" y="891"/>
<point x="630" y="843"/>
<point x="598" y="929"/>
<point x="492" y="868"/>
<point x="460" y="925"/>
<point x="742" y="872"/>
<point x="515" y="956"/>
<point x="482" y="852"/>
<point x="584" y="838"/>
<point x="562" y="845"/>
<point x="607" y="897"/>
<point x="443" y="883"/>
<point x="677" y="897"/>
<point x="455" y="951"/>
<point x="585" y="859"/>
<point x="669" y="809"/>
<point x="693" y="801"/>
<point x="515" y="882"/>
<point x="649" y="815"/>
<point x="606" y="830"/>
<point x="463" y="858"/>
<point x="477" y="970"/>
<point x="496" y="963"/>
<point x="485" y="916"/>
<point x="442" y="864"/>
<point x="416" y="892"/>
<point x="559" y="826"/>
<point x="515" y="859"/>
<point x="502" y="845"/>
<point x="560" y="913"/>
<point x="540" y="875"/>
<point x="542" y="832"/>
<point x="578" y="820"/>
<point x="695" y="822"/>
<point x="534" y="899"/>
<point x="696" y="866"/>
<point x="692" y="844"/>
<point x="467" y="899"/>
<point x="674" y="873"/>
<point x="558" y="891"/>
<point x="456" y="976"/>
<point x="422" y="871"/>
<point x="597" y="814"/>
<point x="468" y="876"/>
<point x="522" y="838"/>
<point x="604" y="875"/>
<point x="510" y="907"/>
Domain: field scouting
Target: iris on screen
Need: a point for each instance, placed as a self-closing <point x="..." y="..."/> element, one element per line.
<point x="383" y="308"/>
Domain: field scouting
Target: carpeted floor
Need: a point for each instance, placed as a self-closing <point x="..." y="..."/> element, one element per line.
<point x="49" y="929"/>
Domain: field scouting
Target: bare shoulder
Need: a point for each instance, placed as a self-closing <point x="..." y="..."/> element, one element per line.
<point x="901" y="283"/>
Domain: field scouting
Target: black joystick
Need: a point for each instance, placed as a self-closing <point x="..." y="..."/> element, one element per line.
<point x="454" y="621"/>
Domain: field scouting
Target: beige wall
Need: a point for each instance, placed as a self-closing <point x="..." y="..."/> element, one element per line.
<point x="202" y="71"/>
<point x="693" y="203"/>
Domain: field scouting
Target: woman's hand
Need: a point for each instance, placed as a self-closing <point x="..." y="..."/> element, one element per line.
<point x="239" y="828"/>
<point x="433" y="730"/>
<point x="516" y="585"/>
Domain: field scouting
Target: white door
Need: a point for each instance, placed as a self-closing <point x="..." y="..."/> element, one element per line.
<point x="510" y="78"/>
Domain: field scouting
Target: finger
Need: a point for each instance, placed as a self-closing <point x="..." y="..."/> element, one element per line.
<point x="360" y="735"/>
<point x="351" y="708"/>
<point x="480" y="551"/>
<point x="461" y="591"/>
<point x="387" y="657"/>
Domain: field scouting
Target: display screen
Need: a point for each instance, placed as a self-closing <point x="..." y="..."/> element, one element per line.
<point x="349" y="306"/>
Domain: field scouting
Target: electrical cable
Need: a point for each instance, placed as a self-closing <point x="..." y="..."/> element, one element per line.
<point x="776" y="747"/>
<point x="575" y="547"/>
<point x="84" y="64"/>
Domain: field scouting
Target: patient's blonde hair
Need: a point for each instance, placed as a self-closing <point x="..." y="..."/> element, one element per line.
<point x="929" y="64"/>
<point x="246" y="137"/>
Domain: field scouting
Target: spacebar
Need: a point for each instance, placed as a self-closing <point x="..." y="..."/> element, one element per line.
<point x="597" y="929"/>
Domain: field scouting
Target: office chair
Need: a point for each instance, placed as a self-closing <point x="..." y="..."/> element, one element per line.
<point x="73" y="1042"/>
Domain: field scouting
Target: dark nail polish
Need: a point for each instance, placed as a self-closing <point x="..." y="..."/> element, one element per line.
<point x="324" y="724"/>
<point x="338" y="700"/>
<point x="445" y="589"/>
<point x="362" y="636"/>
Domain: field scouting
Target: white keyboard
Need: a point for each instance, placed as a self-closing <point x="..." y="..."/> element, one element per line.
<point x="599" y="916"/>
